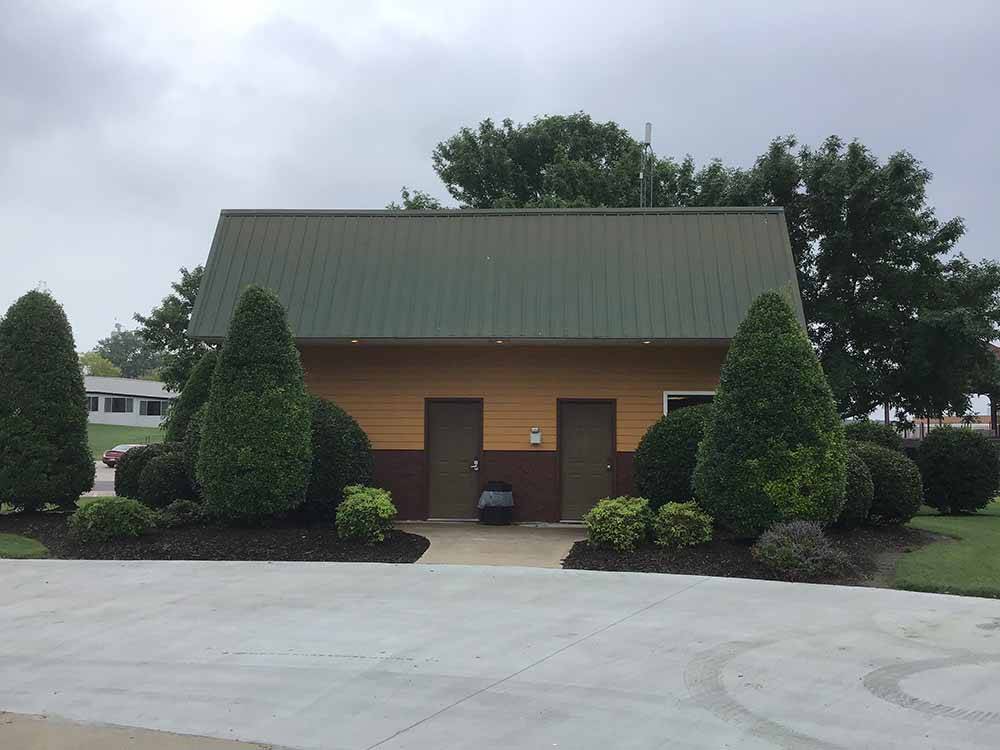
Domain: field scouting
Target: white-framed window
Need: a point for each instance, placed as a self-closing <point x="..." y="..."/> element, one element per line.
<point x="117" y="405"/>
<point x="151" y="408"/>
<point x="93" y="403"/>
<point x="674" y="400"/>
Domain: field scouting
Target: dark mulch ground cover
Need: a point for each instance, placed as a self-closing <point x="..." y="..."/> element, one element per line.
<point x="872" y="552"/>
<point x="279" y="540"/>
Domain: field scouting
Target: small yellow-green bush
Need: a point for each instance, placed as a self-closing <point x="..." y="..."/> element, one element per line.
<point x="111" y="518"/>
<point x="365" y="514"/>
<point x="679" y="525"/>
<point x="619" y="523"/>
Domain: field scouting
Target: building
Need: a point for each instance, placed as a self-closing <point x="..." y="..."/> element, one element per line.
<point x="126" y="401"/>
<point x="529" y="346"/>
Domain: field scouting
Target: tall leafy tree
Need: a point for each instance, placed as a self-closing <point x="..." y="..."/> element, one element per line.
<point x="93" y="363"/>
<point x="164" y="331"/>
<point x="125" y="350"/>
<point x="44" y="454"/>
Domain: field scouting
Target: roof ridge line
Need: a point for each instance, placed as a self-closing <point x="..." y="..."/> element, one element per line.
<point x="460" y="212"/>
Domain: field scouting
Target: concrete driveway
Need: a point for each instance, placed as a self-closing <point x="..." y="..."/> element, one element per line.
<point x="326" y="655"/>
<point x="104" y="480"/>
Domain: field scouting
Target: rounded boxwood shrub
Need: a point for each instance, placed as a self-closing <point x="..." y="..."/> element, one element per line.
<point x="44" y="453"/>
<point x="667" y="453"/>
<point x="111" y="518"/>
<point x="959" y="469"/>
<point x="800" y="551"/>
<point x="774" y="447"/>
<point x="618" y="523"/>
<point x="192" y="397"/>
<point x="341" y="456"/>
<point x="859" y="493"/>
<point x="898" y="487"/>
<point x="365" y="515"/>
<point x="256" y="449"/>
<point x="181" y="513"/>
<point x="130" y="467"/>
<point x="164" y="479"/>
<point x="869" y="431"/>
<point x="679" y="525"/>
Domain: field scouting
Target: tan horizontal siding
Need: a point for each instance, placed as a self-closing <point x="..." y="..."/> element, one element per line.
<point x="384" y="387"/>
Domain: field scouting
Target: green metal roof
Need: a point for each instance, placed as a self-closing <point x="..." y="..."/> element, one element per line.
<point x="581" y="274"/>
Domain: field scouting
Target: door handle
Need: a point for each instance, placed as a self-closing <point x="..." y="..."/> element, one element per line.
<point x="475" y="464"/>
<point x="609" y="466"/>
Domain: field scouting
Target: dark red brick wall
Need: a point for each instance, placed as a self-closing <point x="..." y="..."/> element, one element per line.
<point x="403" y="474"/>
<point x="534" y="476"/>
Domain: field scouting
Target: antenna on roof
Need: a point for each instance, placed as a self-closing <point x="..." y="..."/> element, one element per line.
<point x="646" y="169"/>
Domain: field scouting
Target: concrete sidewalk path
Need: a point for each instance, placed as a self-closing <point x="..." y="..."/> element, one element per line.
<point x="361" y="656"/>
<point x="477" y="544"/>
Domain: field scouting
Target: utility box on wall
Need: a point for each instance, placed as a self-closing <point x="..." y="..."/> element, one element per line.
<point x="536" y="436"/>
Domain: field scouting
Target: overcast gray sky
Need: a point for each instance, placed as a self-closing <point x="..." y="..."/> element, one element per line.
<point x="126" y="126"/>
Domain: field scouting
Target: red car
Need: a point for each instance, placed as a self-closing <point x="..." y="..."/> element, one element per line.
<point x="110" y="457"/>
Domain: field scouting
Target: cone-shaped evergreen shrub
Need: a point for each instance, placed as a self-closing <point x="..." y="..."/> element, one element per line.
<point x="859" y="492"/>
<point x="192" y="397"/>
<point x="44" y="454"/>
<point x="665" y="458"/>
<point x="255" y="451"/>
<point x="774" y="447"/>
<point x="342" y="456"/>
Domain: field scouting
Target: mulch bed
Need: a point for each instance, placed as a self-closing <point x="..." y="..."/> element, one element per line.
<point x="872" y="552"/>
<point x="280" y="540"/>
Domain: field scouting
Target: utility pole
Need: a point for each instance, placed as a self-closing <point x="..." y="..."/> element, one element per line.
<point x="646" y="169"/>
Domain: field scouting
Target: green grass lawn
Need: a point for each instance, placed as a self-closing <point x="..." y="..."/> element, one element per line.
<point x="105" y="436"/>
<point x="21" y="547"/>
<point x="969" y="565"/>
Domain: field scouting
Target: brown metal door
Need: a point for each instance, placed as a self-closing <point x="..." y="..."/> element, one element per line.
<point x="454" y="439"/>
<point x="586" y="455"/>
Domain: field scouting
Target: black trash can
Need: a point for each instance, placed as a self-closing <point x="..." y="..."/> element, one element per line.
<point x="496" y="504"/>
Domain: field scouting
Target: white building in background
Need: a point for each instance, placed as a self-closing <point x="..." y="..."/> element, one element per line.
<point x="126" y="401"/>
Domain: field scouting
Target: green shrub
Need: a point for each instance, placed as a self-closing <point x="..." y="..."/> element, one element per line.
<point x="869" y="431"/>
<point x="111" y="518"/>
<point x="44" y="453"/>
<point x="192" y="444"/>
<point x="774" y="447"/>
<point x="192" y="397"/>
<point x="959" y="469"/>
<point x="679" y="525"/>
<point x="799" y="550"/>
<point x="898" y="488"/>
<point x="181" y="513"/>
<point x="342" y="456"/>
<point x="130" y="467"/>
<point x="618" y="523"/>
<point x="163" y="480"/>
<point x="365" y="515"/>
<point x="255" y="451"/>
<point x="859" y="493"/>
<point x="667" y="453"/>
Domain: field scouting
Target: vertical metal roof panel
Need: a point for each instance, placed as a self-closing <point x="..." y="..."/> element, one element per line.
<point x="586" y="274"/>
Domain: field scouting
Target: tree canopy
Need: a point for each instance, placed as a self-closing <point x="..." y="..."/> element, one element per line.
<point x="93" y="363"/>
<point x="894" y="313"/>
<point x="125" y="350"/>
<point x="164" y="330"/>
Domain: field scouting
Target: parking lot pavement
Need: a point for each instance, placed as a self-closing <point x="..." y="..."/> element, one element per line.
<point x="104" y="481"/>
<point x="327" y="655"/>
